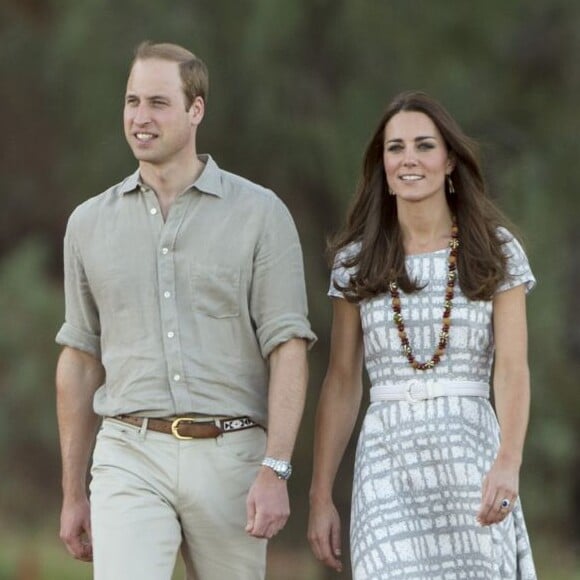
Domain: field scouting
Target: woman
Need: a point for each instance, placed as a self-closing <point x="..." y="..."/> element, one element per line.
<point x="429" y="287"/>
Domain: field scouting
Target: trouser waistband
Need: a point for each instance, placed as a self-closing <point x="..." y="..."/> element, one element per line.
<point x="415" y="390"/>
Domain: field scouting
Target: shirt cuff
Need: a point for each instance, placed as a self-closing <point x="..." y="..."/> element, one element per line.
<point x="68" y="335"/>
<point x="282" y="330"/>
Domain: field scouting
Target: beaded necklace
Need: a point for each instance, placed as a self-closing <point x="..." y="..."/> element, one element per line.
<point x="449" y="291"/>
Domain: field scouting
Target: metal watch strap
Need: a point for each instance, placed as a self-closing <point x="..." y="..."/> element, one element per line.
<point x="283" y="469"/>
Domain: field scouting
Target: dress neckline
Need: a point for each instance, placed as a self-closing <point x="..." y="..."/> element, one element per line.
<point x="431" y="253"/>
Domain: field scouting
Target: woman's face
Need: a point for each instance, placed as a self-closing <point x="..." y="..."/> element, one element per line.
<point x="415" y="157"/>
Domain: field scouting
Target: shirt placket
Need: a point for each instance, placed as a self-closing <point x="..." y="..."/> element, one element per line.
<point x="167" y="272"/>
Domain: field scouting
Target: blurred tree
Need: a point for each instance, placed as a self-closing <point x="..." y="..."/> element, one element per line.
<point x="30" y="312"/>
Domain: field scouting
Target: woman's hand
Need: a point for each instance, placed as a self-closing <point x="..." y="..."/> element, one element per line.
<point x="501" y="483"/>
<point x="324" y="534"/>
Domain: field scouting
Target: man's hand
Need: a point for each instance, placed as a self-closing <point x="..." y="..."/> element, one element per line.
<point x="267" y="505"/>
<point x="75" y="529"/>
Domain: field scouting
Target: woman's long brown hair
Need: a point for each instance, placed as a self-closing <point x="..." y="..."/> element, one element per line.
<point x="372" y="219"/>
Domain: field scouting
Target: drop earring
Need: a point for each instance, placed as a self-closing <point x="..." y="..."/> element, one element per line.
<point x="450" y="187"/>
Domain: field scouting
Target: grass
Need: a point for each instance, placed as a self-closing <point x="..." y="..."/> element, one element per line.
<point x="40" y="556"/>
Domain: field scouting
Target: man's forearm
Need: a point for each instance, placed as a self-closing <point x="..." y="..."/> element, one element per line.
<point x="78" y="376"/>
<point x="287" y="393"/>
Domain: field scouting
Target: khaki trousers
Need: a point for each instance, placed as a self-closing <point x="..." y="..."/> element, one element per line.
<point x="152" y="494"/>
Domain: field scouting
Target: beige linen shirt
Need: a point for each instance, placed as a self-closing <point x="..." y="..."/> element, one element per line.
<point x="184" y="313"/>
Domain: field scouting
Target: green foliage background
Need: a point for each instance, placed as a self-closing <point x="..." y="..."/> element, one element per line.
<point x="296" y="90"/>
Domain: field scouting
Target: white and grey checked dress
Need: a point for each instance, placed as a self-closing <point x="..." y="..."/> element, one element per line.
<point x="420" y="465"/>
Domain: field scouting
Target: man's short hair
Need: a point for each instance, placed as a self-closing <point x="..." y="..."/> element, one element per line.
<point x="193" y="72"/>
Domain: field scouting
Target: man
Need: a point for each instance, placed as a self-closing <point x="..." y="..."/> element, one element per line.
<point x="186" y="333"/>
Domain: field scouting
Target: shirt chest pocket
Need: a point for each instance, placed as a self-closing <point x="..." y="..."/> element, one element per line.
<point x="215" y="290"/>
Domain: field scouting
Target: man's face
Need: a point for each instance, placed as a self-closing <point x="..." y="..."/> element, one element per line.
<point x="157" y="127"/>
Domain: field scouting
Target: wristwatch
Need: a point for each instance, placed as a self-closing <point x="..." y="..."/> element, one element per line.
<point x="283" y="469"/>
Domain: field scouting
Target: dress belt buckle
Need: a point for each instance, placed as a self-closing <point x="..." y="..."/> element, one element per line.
<point x="175" y="426"/>
<point x="409" y="391"/>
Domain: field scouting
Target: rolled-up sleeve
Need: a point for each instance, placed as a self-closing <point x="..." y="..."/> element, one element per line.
<point x="278" y="301"/>
<point x="81" y="328"/>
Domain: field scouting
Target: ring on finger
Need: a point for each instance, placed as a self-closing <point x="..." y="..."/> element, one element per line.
<point x="505" y="505"/>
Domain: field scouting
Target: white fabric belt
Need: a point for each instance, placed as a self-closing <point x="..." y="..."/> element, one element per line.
<point x="415" y="390"/>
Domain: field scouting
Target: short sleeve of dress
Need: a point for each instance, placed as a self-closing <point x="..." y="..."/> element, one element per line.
<point x="340" y="274"/>
<point x="518" y="267"/>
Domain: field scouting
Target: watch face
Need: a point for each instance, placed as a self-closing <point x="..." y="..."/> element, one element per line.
<point x="286" y="471"/>
<point x="283" y="469"/>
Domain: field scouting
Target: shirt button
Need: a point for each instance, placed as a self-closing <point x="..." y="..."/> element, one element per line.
<point x="176" y="377"/>
<point x="164" y="250"/>
<point x="153" y="211"/>
<point x="167" y="294"/>
<point x="171" y="334"/>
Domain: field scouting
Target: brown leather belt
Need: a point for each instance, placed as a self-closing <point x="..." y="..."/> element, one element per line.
<point x="192" y="427"/>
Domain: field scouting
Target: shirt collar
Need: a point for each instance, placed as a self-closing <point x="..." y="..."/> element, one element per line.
<point x="208" y="181"/>
<point x="130" y="183"/>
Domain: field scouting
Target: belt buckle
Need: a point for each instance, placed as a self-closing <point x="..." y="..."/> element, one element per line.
<point x="408" y="391"/>
<point x="175" y="425"/>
